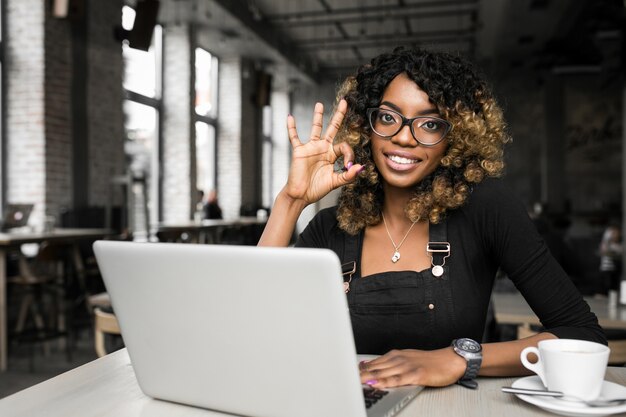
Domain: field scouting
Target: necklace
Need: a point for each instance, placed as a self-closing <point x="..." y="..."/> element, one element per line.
<point x="396" y="255"/>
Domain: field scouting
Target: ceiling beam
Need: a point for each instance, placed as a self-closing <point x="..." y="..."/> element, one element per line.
<point x="389" y="15"/>
<point x="469" y="39"/>
<point x="431" y="36"/>
<point x="280" y="42"/>
<point x="300" y="16"/>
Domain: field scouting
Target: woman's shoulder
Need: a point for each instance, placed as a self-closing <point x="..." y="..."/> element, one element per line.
<point x="490" y="193"/>
<point x="327" y="215"/>
<point x="493" y="199"/>
<point x="320" y="229"/>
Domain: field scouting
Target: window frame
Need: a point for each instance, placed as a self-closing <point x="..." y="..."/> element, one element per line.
<point x="155" y="195"/>
<point x="211" y="120"/>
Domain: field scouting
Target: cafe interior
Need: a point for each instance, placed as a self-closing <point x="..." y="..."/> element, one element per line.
<point x="124" y="119"/>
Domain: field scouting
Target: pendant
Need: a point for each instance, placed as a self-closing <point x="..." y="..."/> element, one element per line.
<point x="437" y="270"/>
<point x="396" y="257"/>
<point x="346" y="287"/>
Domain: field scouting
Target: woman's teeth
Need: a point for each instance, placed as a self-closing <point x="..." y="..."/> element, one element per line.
<point x="401" y="160"/>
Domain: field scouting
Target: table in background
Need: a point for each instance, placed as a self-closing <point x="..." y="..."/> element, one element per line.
<point x="108" y="387"/>
<point x="12" y="241"/>
<point x="512" y="308"/>
<point x="206" y="231"/>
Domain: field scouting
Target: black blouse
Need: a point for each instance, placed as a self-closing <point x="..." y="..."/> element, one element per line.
<point x="408" y="309"/>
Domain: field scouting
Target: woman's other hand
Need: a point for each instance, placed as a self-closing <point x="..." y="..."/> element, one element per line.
<point x="435" y="368"/>
<point x="312" y="173"/>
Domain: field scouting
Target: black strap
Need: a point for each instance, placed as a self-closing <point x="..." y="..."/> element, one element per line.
<point x="438" y="247"/>
<point x="438" y="232"/>
<point x="347" y="250"/>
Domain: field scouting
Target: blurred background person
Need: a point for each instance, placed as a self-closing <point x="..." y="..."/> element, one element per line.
<point x="212" y="208"/>
<point x="611" y="260"/>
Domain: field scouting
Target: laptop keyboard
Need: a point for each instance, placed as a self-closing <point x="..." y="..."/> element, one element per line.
<point x="372" y="395"/>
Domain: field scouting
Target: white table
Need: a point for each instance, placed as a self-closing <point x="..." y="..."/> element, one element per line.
<point x="11" y="241"/>
<point x="108" y="387"/>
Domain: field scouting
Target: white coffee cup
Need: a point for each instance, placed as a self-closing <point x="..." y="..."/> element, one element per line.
<point x="574" y="367"/>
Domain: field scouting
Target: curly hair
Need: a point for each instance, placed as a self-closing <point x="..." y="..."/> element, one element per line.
<point x="475" y="142"/>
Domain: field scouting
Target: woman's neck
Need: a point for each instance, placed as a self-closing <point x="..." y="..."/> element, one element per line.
<point x="396" y="200"/>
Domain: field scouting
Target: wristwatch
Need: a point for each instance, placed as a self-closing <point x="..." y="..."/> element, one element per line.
<point x="471" y="351"/>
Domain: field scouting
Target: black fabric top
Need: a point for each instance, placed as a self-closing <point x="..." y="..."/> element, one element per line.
<point x="408" y="309"/>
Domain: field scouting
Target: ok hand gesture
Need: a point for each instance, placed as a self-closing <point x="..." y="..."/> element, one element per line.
<point x="312" y="173"/>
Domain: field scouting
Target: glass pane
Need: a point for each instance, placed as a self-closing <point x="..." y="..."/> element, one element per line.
<point x="206" y="83"/>
<point x="141" y="125"/>
<point x="140" y="67"/>
<point x="205" y="157"/>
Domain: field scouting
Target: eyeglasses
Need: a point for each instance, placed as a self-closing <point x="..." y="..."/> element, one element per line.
<point x="427" y="130"/>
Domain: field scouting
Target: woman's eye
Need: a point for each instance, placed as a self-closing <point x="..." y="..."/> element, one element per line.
<point x="431" y="125"/>
<point x="387" y="118"/>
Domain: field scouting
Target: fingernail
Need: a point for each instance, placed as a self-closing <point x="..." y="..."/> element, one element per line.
<point x="349" y="165"/>
<point x="372" y="382"/>
<point x="361" y="169"/>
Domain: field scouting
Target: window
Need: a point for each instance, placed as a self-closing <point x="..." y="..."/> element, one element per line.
<point x="267" y="152"/>
<point x="142" y="87"/>
<point x="206" y="83"/>
<point x="2" y="141"/>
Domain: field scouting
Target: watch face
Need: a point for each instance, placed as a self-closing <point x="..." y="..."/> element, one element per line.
<point x="468" y="345"/>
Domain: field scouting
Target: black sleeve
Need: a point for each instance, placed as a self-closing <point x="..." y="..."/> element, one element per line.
<point x="317" y="233"/>
<point x="524" y="256"/>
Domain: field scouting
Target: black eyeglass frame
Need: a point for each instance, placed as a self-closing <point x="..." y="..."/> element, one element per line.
<point x="406" y="121"/>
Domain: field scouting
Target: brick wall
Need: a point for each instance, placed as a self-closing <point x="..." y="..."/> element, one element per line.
<point x="24" y="63"/>
<point x="39" y="132"/>
<point x="229" y="137"/>
<point x="105" y="117"/>
<point x="58" y="178"/>
<point x="176" y="122"/>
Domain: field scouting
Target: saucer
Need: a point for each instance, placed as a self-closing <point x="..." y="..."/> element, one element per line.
<point x="571" y="408"/>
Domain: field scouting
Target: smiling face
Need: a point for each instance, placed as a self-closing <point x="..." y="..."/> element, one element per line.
<point x="401" y="160"/>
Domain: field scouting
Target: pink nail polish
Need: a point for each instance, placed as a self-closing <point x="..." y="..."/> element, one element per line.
<point x="349" y="165"/>
<point x="372" y="382"/>
<point x="361" y="169"/>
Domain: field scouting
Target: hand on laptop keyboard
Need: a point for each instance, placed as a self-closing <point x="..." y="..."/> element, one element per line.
<point x="372" y="395"/>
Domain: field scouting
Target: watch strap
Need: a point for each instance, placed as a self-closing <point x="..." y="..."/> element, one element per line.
<point x="473" y="366"/>
<point x="468" y="383"/>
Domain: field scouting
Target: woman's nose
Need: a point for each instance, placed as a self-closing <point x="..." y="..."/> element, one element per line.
<point x="404" y="137"/>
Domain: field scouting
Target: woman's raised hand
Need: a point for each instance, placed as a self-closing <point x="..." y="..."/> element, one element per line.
<point x="312" y="173"/>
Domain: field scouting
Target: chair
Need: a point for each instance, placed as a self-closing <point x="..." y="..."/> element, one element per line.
<point x="40" y="283"/>
<point x="87" y="276"/>
<point x="105" y="322"/>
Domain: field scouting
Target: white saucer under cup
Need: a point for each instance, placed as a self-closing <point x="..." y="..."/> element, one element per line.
<point x="574" y="367"/>
<point x="571" y="408"/>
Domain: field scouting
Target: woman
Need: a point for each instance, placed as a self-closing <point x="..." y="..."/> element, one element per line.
<point x="421" y="138"/>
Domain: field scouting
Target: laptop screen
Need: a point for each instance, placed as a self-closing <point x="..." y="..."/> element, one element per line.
<point x="16" y="215"/>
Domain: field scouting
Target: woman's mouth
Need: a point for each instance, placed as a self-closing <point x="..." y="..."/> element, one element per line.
<point x="402" y="160"/>
<point x="401" y="163"/>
